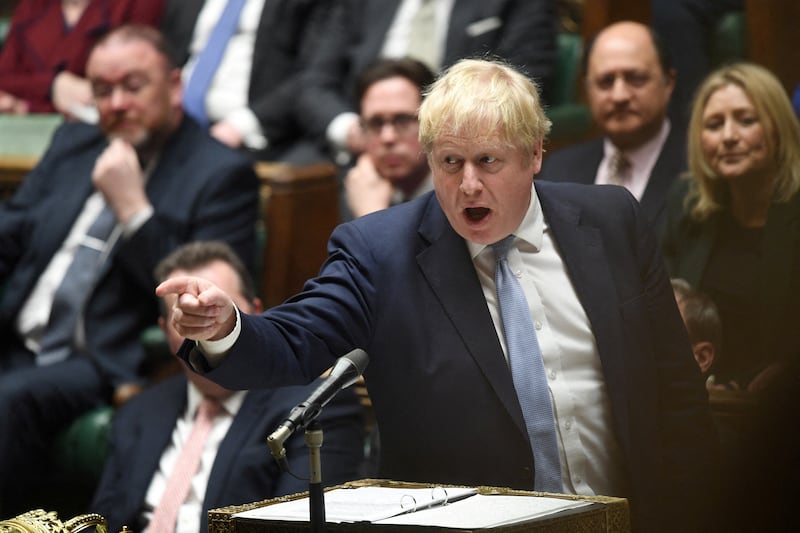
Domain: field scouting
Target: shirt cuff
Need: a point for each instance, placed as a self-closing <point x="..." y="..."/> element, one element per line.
<point x="215" y="350"/>
<point x="137" y="221"/>
<point x="337" y="130"/>
<point x="246" y="123"/>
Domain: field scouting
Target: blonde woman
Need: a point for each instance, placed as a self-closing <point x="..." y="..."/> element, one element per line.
<point x="733" y="225"/>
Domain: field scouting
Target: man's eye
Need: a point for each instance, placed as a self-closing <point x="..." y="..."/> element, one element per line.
<point x="637" y="79"/>
<point x="134" y="85"/>
<point x="489" y="159"/>
<point x="606" y="82"/>
<point x="101" y="90"/>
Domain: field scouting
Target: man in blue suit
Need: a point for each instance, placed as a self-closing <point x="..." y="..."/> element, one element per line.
<point x="414" y="286"/>
<point x="150" y="429"/>
<point x="158" y="180"/>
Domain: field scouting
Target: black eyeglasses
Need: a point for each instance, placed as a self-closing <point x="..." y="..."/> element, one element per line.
<point x="402" y="124"/>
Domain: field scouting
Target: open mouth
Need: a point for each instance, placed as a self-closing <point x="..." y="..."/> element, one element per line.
<point x="476" y="214"/>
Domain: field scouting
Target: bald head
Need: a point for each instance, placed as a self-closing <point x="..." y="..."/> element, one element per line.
<point x="628" y="83"/>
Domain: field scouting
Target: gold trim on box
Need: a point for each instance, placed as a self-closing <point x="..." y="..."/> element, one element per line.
<point x="41" y="521"/>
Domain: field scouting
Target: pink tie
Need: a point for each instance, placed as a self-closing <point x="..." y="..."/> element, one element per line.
<point x="180" y="480"/>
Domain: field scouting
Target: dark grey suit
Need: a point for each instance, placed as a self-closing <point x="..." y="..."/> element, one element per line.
<point x="287" y="33"/>
<point x="525" y="35"/>
<point x="579" y="164"/>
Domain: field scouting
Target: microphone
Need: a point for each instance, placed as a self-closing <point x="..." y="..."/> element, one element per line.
<point x="345" y="372"/>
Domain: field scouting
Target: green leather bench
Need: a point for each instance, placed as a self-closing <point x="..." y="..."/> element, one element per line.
<point x="571" y="118"/>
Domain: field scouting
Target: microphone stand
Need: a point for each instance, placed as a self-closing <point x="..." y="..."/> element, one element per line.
<point x="316" y="496"/>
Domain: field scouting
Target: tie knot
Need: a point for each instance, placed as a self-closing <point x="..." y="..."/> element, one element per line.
<point x="208" y="409"/>
<point x="618" y="168"/>
<point x="502" y="247"/>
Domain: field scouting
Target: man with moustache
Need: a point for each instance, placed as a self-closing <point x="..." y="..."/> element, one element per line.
<point x="393" y="167"/>
<point x="629" y="81"/>
<point x="80" y="238"/>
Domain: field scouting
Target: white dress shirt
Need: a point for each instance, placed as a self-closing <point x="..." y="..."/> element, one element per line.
<point x="227" y="97"/>
<point x="395" y="45"/>
<point x="642" y="160"/>
<point x="188" y="520"/>
<point x="591" y="462"/>
<point x="34" y="315"/>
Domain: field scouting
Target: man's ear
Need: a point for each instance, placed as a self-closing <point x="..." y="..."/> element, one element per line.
<point x="704" y="355"/>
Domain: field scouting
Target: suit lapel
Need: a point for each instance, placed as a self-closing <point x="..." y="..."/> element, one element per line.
<point x="241" y="427"/>
<point x="380" y="16"/>
<point x="172" y="156"/>
<point x="74" y="181"/>
<point x="448" y="268"/>
<point x="460" y="16"/>
<point x="670" y="164"/>
<point x="584" y="255"/>
<point x="153" y="435"/>
<point x="697" y="250"/>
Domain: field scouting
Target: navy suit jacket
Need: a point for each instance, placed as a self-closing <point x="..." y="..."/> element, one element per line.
<point x="244" y="471"/>
<point x="521" y="31"/>
<point x="401" y="285"/>
<point x="284" y="42"/>
<point x="579" y="164"/>
<point x="199" y="190"/>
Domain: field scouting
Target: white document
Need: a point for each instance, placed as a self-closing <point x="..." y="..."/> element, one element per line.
<point x="439" y="507"/>
<point x="362" y="504"/>
<point x="483" y="511"/>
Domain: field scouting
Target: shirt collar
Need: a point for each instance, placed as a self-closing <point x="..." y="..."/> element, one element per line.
<point x="231" y="404"/>
<point x="644" y="156"/>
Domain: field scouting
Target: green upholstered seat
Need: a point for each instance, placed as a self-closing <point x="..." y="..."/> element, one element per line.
<point x="80" y="450"/>
<point x="728" y="41"/>
<point x="571" y="118"/>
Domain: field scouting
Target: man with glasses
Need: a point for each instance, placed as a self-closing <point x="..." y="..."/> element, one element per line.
<point x="393" y="167"/>
<point x="629" y="81"/>
<point x="80" y="238"/>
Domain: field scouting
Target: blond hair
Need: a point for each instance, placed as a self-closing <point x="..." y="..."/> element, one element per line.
<point x="707" y="192"/>
<point x="482" y="96"/>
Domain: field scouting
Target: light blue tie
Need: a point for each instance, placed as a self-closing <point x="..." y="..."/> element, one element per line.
<point x="194" y="96"/>
<point x="527" y="370"/>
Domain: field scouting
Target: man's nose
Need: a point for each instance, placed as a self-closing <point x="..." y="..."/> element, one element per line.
<point x="119" y="98"/>
<point x="470" y="180"/>
<point x="620" y="90"/>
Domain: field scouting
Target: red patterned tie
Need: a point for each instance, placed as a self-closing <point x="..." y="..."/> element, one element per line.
<point x="180" y="479"/>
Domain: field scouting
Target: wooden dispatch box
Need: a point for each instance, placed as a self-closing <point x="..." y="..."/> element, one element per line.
<point x="604" y="515"/>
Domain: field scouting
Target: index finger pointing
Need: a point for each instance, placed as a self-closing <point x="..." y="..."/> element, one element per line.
<point x="178" y="285"/>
